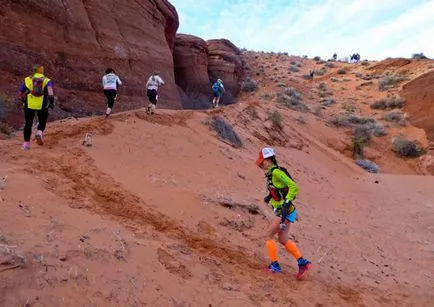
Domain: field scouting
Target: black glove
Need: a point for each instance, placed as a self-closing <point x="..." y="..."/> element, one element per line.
<point x="267" y="198"/>
<point x="285" y="209"/>
<point x="51" y="102"/>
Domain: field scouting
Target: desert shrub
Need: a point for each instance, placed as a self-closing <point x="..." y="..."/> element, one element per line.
<point x="406" y="148"/>
<point x="365" y="63"/>
<point x="293" y="69"/>
<point x="276" y="120"/>
<point x="249" y="85"/>
<point x="320" y="62"/>
<point x="396" y="117"/>
<point x="349" y="107"/>
<point x="328" y="102"/>
<point x="359" y="75"/>
<point x="280" y="84"/>
<point x="333" y="79"/>
<point x="5" y="129"/>
<point x="322" y="86"/>
<point x="339" y="121"/>
<point x="388" y="81"/>
<point x="348" y="119"/>
<point x="317" y="110"/>
<point x="362" y="133"/>
<point x="251" y="111"/>
<point x="376" y="128"/>
<point x="307" y="77"/>
<point x="265" y="96"/>
<point x="292" y="101"/>
<point x="321" y="71"/>
<point x="330" y="65"/>
<point x="6" y="107"/>
<point x="301" y="119"/>
<point x="225" y="131"/>
<point x="368" y="165"/>
<point x="298" y="65"/>
<point x="291" y="92"/>
<point x="418" y="56"/>
<point x="342" y="71"/>
<point x="317" y="58"/>
<point x="388" y="103"/>
<point x="293" y="63"/>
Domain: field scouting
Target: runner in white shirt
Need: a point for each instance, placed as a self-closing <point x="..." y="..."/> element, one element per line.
<point x="110" y="83"/>
<point x="152" y="85"/>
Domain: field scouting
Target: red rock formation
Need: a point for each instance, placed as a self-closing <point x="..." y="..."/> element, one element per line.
<point x="191" y="66"/>
<point x="198" y="64"/>
<point x="77" y="40"/>
<point x="389" y="63"/>
<point x="225" y="62"/>
<point x="419" y="94"/>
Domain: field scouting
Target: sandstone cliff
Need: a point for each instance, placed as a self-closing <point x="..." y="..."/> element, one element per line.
<point x="77" y="40"/>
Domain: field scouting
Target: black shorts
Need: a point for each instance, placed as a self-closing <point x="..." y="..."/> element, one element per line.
<point x="152" y="96"/>
<point x="111" y="97"/>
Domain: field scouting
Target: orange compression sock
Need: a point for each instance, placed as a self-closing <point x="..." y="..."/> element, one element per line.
<point x="272" y="249"/>
<point x="292" y="248"/>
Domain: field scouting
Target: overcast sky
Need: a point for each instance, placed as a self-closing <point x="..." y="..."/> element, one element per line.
<point x="374" y="28"/>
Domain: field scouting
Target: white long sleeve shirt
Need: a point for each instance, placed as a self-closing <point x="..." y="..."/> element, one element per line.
<point x="154" y="82"/>
<point x="111" y="81"/>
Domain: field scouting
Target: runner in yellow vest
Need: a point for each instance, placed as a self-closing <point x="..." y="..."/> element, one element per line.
<point x="36" y="93"/>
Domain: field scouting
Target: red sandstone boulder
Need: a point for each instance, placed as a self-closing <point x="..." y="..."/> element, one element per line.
<point x="419" y="96"/>
<point x="225" y="62"/>
<point x="77" y="40"/>
<point x="191" y="70"/>
<point x="198" y="64"/>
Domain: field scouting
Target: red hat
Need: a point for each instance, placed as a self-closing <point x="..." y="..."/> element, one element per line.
<point x="264" y="154"/>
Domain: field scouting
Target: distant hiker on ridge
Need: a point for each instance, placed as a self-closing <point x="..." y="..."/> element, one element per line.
<point x="110" y="83"/>
<point x="154" y="82"/>
<point x="217" y="90"/>
<point x="36" y="93"/>
<point x="282" y="191"/>
<point x="335" y="56"/>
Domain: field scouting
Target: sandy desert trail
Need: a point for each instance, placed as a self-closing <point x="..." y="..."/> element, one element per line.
<point x="160" y="212"/>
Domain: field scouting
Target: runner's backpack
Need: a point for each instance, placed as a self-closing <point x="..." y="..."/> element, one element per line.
<point x="216" y="87"/>
<point x="38" y="86"/>
<point x="275" y="193"/>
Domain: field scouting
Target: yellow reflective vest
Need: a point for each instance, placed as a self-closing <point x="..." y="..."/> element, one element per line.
<point x="35" y="102"/>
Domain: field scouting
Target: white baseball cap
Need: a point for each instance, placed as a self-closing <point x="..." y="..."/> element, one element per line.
<point x="265" y="153"/>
